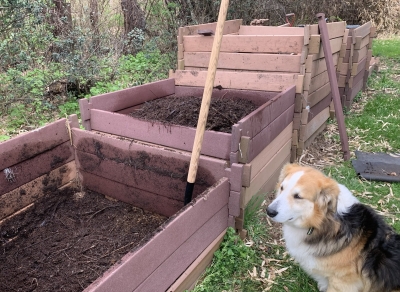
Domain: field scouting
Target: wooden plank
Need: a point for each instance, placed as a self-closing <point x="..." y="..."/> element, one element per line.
<point x="239" y="80"/>
<point x="361" y="42"/>
<point x="230" y="26"/>
<point x="358" y="55"/>
<point x="177" y="137"/>
<point x="353" y="91"/>
<point x="355" y="79"/>
<point x="175" y="265"/>
<point x="181" y="64"/>
<point x="318" y="81"/>
<point x="176" y="232"/>
<point x="243" y="61"/>
<point x="37" y="166"/>
<point x="265" y="137"/>
<point x="272" y="180"/>
<point x="268" y="152"/>
<point x="336" y="45"/>
<point x="246" y="44"/>
<point x="363" y="30"/>
<point x="298" y="102"/>
<point x="236" y="177"/>
<point x="342" y="80"/>
<point x="256" y="121"/>
<point x="316" y="122"/>
<point x="318" y="95"/>
<point x="335" y="29"/>
<point x="314" y="45"/>
<point x="118" y="100"/>
<point x="270" y="30"/>
<point x="28" y="193"/>
<point x="295" y="138"/>
<point x="140" y="198"/>
<point x="319" y="107"/>
<point x="319" y="66"/>
<point x="30" y="144"/>
<point x="234" y="203"/>
<point x="372" y="33"/>
<point x="315" y="135"/>
<point x="187" y="280"/>
<point x="343" y="69"/>
<point x="260" y="179"/>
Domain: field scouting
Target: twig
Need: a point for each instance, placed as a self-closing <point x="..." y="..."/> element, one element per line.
<point x="118" y="249"/>
<point x="95" y="213"/>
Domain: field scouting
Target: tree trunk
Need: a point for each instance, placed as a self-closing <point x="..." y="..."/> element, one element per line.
<point x="61" y="18"/>
<point x="133" y="15"/>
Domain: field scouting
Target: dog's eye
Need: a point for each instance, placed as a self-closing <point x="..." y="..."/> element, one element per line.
<point x="296" y="196"/>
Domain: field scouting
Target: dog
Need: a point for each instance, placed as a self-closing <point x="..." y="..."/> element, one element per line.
<point x="344" y="245"/>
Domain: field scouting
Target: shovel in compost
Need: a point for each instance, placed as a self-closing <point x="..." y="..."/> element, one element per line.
<point x="205" y="103"/>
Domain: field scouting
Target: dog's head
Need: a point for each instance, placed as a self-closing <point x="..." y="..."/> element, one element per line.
<point x="305" y="197"/>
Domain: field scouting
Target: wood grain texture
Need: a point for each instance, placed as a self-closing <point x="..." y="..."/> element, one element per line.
<point x="28" y="193"/>
<point x="30" y="144"/>
<point x="363" y="30"/>
<point x="243" y="61"/>
<point x="234" y="203"/>
<point x="270" y="30"/>
<point x="178" y="230"/>
<point x="177" y="137"/>
<point x="230" y="26"/>
<point x="247" y="44"/>
<point x="239" y="80"/>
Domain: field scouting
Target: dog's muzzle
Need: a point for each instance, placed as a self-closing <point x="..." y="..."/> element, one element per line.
<point x="271" y="212"/>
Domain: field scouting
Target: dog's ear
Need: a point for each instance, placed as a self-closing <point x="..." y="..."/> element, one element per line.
<point x="328" y="197"/>
<point x="288" y="168"/>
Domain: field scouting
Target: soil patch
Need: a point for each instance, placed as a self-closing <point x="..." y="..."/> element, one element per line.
<point x="68" y="239"/>
<point x="184" y="111"/>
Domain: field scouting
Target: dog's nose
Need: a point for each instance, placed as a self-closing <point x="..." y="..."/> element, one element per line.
<point x="271" y="212"/>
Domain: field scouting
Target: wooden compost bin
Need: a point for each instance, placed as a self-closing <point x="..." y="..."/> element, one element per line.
<point x="254" y="152"/>
<point x="146" y="176"/>
<point x="267" y="58"/>
<point x="355" y="61"/>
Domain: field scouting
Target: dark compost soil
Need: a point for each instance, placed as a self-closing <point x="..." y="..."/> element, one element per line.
<point x="67" y="240"/>
<point x="184" y="111"/>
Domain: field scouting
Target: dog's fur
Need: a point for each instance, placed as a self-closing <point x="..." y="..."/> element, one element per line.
<point x="344" y="245"/>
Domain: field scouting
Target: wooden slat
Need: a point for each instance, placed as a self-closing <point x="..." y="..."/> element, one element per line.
<point x="363" y="30"/>
<point x="318" y="95"/>
<point x="361" y="42"/>
<point x="315" y="135"/>
<point x="234" y="203"/>
<point x="184" y="227"/>
<point x="355" y="79"/>
<point x="315" y="44"/>
<point x="273" y="177"/>
<point x="256" y="121"/>
<point x="316" y="122"/>
<point x="335" y="29"/>
<point x="246" y="44"/>
<point x="358" y="55"/>
<point x="28" y="193"/>
<point x="32" y="143"/>
<point x="270" y="30"/>
<point x="187" y="280"/>
<point x="243" y="61"/>
<point x="265" y="137"/>
<point x="37" y="166"/>
<point x="260" y="179"/>
<point x="140" y="198"/>
<point x="268" y="152"/>
<point x="230" y="26"/>
<point x="239" y="80"/>
<point x="177" y="137"/>
<point x="118" y="100"/>
<point x="343" y="69"/>
<point x="319" y="107"/>
<point x="336" y="45"/>
<point x="318" y="66"/>
<point x="318" y="81"/>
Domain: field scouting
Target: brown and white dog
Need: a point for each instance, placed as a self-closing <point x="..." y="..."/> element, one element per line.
<point x="344" y="245"/>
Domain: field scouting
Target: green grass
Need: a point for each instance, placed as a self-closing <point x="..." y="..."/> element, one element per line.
<point x="375" y="128"/>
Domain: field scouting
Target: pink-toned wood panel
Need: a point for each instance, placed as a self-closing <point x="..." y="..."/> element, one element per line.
<point x="234" y="203"/>
<point x="335" y="29"/>
<point x="230" y="26"/>
<point x="257" y="97"/>
<point x="32" y="143"/>
<point x="268" y="134"/>
<point x="166" y="274"/>
<point x="239" y="80"/>
<point x="317" y="95"/>
<point x="178" y="137"/>
<point x="358" y="67"/>
<point x="363" y="30"/>
<point x="151" y="173"/>
<point x="236" y="176"/>
<point x="147" y="258"/>
<point x="356" y="79"/>
<point x="143" y="199"/>
<point x="270" y="30"/>
<point x="246" y="44"/>
<point x="255" y="122"/>
<point x="118" y="100"/>
<point x="243" y="61"/>
<point x="319" y="107"/>
<point x="139" y="155"/>
<point x="28" y="193"/>
<point x="39" y="165"/>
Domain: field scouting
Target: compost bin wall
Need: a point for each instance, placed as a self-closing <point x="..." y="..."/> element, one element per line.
<point x="34" y="164"/>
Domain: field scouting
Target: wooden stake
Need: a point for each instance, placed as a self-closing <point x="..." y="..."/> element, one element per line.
<point x="205" y="104"/>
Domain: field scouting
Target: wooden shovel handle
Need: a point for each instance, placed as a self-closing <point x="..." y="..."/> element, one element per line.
<point x="208" y="88"/>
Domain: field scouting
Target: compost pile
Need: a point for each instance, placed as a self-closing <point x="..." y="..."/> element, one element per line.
<point x="184" y="111"/>
<point x="67" y="240"/>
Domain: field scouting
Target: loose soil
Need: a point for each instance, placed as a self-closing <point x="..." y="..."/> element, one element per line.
<point x="184" y="111"/>
<point x="67" y="240"/>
